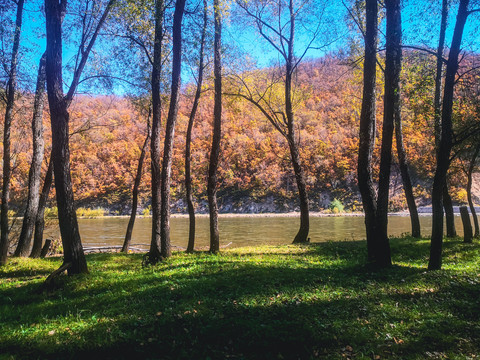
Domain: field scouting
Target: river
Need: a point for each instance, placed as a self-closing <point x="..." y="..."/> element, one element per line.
<point x="242" y="230"/>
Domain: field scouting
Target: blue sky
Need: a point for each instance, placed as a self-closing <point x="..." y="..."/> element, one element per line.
<point x="420" y="23"/>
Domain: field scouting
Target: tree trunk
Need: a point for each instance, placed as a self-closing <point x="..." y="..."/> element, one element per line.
<point x="136" y="186"/>
<point x="367" y="125"/>
<point x="393" y="58"/>
<point x="445" y="145"/>
<point x="471" y="167"/>
<point x="188" y="175"/>
<point x="302" y="234"/>
<point x="154" y="252"/>
<point x="34" y="176"/>
<point x="407" y="182"/>
<point x="438" y="76"/>
<point x="217" y="131"/>
<point x="449" y="214"/>
<point x="10" y="95"/>
<point x="40" y="217"/>
<point x="170" y="129"/>
<point x="467" y="225"/>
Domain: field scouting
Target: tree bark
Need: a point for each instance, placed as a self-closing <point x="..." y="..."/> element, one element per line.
<point x="471" y="167"/>
<point x="438" y="76"/>
<point x="59" y="117"/>
<point x="393" y="63"/>
<point x="445" y="145"/>
<point x="34" y="176"/>
<point x="217" y="131"/>
<point x="136" y="186"/>
<point x="407" y="182"/>
<point x="40" y="217"/>
<point x="154" y="252"/>
<point x="368" y="125"/>
<point x="467" y="225"/>
<point x="7" y="171"/>
<point x="188" y="175"/>
<point x="449" y="214"/>
<point x="170" y="129"/>
<point x="302" y="234"/>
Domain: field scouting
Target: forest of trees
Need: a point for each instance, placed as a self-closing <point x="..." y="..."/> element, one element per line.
<point x="361" y="109"/>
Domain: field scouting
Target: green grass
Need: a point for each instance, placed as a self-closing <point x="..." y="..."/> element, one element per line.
<point x="287" y="302"/>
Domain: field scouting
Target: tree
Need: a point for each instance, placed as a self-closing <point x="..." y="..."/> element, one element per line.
<point x="275" y="21"/>
<point x="367" y="125"/>
<point x="393" y="64"/>
<point x="217" y="130"/>
<point x="445" y="143"/>
<point x="136" y="187"/>
<point x="188" y="175"/>
<point x="40" y="217"/>
<point x="74" y="258"/>
<point x="10" y="103"/>
<point x="469" y="173"/>
<point x="34" y="176"/>
<point x="154" y="253"/>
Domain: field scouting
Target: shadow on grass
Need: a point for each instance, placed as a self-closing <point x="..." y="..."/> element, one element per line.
<point x="321" y="302"/>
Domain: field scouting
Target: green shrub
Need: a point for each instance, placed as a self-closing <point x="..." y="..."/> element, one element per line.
<point x="51" y="213"/>
<point x="90" y="213"/>
<point x="336" y="206"/>
<point x="146" y="211"/>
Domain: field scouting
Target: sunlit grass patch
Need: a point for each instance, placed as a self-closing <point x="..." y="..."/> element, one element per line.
<point x="307" y="301"/>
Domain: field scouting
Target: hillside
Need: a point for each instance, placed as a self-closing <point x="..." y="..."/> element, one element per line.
<point x="255" y="171"/>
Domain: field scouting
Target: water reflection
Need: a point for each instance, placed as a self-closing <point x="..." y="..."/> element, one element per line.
<point x="245" y="231"/>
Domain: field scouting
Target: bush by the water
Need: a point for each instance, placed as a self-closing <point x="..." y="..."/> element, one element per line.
<point x="336" y="207"/>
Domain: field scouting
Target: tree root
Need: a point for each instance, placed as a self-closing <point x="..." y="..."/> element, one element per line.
<point x="49" y="283"/>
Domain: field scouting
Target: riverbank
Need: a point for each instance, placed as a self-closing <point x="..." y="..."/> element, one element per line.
<point x="282" y="302"/>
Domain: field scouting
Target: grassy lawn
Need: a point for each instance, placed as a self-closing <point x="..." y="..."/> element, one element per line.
<point x="287" y="302"/>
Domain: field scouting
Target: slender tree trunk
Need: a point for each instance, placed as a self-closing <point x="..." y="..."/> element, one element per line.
<point x="393" y="63"/>
<point x="471" y="167"/>
<point x="367" y="125"/>
<point x="188" y="175"/>
<point x="407" y="182"/>
<point x="154" y="253"/>
<point x="438" y="76"/>
<point x="10" y="94"/>
<point x="437" y="105"/>
<point x="136" y="186"/>
<point x="34" y="176"/>
<point x="302" y="234"/>
<point x="445" y="145"/>
<point x="40" y="217"/>
<point x="449" y="214"/>
<point x="170" y="129"/>
<point x="217" y="131"/>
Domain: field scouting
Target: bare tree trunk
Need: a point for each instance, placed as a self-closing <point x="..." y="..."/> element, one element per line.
<point x="217" y="131"/>
<point x="136" y="186"/>
<point x="367" y="125"/>
<point x="302" y="234"/>
<point x="471" y="167"/>
<point x="188" y="175"/>
<point x="40" y="217"/>
<point x="10" y="94"/>
<point x="74" y="257"/>
<point x="445" y="145"/>
<point x="393" y="63"/>
<point x="438" y="76"/>
<point x="170" y="129"/>
<point x="34" y="176"/>
<point x="154" y="252"/>
<point x="447" y="200"/>
<point x="449" y="214"/>
<point x="407" y="182"/>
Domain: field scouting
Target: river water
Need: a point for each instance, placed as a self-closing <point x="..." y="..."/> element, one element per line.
<point x="242" y="230"/>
